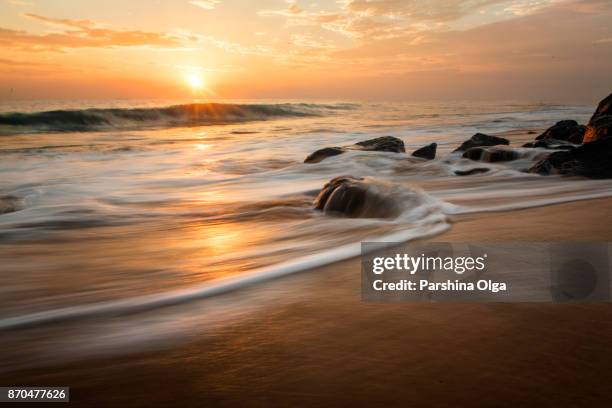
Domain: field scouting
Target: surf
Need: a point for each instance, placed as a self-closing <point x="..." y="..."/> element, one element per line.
<point x="192" y="114"/>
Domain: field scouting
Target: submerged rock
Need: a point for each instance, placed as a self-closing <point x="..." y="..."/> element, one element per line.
<point x="355" y="197"/>
<point x="593" y="160"/>
<point x="324" y="153"/>
<point x="379" y="144"/>
<point x="490" y="155"/>
<point x="383" y="144"/>
<point x="567" y="130"/>
<point x="551" y="144"/>
<point x="480" y="139"/>
<point x="426" y="152"/>
<point x="469" y="172"/>
<point x="600" y="124"/>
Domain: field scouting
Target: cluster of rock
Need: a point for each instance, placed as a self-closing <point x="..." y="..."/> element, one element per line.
<point x="579" y="151"/>
<point x="589" y="155"/>
<point x="379" y="144"/>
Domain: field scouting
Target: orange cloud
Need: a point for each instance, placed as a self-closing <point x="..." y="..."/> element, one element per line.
<point x="81" y="33"/>
<point x="430" y="10"/>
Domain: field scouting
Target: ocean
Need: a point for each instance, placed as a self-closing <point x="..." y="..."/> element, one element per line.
<point x="110" y="207"/>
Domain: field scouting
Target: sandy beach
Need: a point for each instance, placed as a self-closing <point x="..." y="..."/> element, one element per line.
<point x="325" y="346"/>
<point x="210" y="203"/>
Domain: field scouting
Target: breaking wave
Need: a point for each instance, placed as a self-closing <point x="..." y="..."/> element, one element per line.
<point x="193" y="114"/>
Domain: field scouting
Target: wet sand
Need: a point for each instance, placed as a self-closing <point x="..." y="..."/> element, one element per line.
<point x="325" y="346"/>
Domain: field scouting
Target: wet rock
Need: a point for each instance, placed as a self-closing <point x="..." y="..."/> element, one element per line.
<point x="601" y="128"/>
<point x="9" y="203"/>
<point x="551" y="144"/>
<point x="469" y="172"/>
<point x="426" y="152"/>
<point x="490" y="155"/>
<point x="600" y="124"/>
<point x="355" y="197"/>
<point x="480" y="139"/>
<point x="568" y="130"/>
<point x="604" y="108"/>
<point x="379" y="144"/>
<point x="383" y="144"/>
<point x="324" y="153"/>
<point x="593" y="160"/>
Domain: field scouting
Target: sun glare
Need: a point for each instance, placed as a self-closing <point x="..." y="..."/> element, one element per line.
<point x="195" y="82"/>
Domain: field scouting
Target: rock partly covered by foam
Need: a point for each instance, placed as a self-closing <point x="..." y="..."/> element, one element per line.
<point x="324" y="153"/>
<point x="9" y="203"/>
<point x="480" y="139"/>
<point x="567" y="130"/>
<point x="551" y="144"/>
<point x="379" y="144"/>
<point x="382" y="144"/>
<point x="593" y="160"/>
<point x="490" y="154"/>
<point x="600" y="124"/>
<point x="355" y="197"/>
<point x="426" y="152"/>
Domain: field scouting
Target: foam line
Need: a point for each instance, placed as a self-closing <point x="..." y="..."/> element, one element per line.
<point x="213" y="288"/>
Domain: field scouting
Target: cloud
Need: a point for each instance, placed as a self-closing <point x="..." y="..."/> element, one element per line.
<point x="536" y="42"/>
<point x="20" y="3"/>
<point x="205" y="4"/>
<point x="81" y="33"/>
<point x="237" y="48"/>
<point x="603" y="41"/>
<point x="15" y="63"/>
<point x="419" y="10"/>
<point x="308" y="41"/>
<point x="524" y="7"/>
<point x="62" y="22"/>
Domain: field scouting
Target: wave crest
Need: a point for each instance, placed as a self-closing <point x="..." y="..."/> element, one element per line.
<point x="193" y="114"/>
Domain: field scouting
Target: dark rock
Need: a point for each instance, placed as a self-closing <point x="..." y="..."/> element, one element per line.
<point x="324" y="153"/>
<point x="593" y="160"/>
<point x="604" y="108"/>
<point x="490" y="155"/>
<point x="531" y="132"/>
<point x="9" y="203"/>
<point x="383" y="144"/>
<point x="471" y="171"/>
<point x="426" y="152"/>
<point x="600" y="124"/>
<point x="380" y="144"/>
<point x="599" y="129"/>
<point x="354" y="197"/>
<point x="568" y="130"/>
<point x="480" y="139"/>
<point x="551" y="144"/>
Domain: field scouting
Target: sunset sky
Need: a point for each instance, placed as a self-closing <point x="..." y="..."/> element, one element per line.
<point x="544" y="50"/>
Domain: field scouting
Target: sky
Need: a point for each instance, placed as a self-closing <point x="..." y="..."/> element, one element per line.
<point x="528" y="50"/>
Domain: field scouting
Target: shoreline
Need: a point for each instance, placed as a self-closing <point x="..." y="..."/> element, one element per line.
<point x="325" y="344"/>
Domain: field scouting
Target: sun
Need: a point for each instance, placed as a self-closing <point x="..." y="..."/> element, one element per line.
<point x="195" y="82"/>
